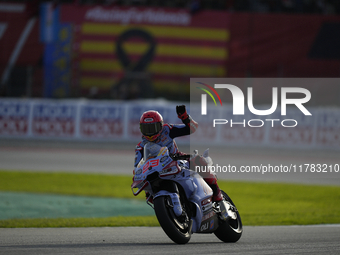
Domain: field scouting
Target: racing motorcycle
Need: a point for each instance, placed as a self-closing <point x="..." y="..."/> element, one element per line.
<point x="182" y="200"/>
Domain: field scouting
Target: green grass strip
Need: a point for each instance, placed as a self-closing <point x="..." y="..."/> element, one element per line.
<point x="67" y="183"/>
<point x="120" y="221"/>
<point x="258" y="203"/>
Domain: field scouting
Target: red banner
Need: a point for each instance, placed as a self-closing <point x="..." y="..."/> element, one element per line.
<point x="283" y="45"/>
<point x="19" y="44"/>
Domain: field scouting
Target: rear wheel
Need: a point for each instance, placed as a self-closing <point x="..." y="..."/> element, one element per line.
<point x="230" y="231"/>
<point x="176" y="228"/>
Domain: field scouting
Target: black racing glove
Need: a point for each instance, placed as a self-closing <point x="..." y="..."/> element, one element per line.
<point x="182" y="113"/>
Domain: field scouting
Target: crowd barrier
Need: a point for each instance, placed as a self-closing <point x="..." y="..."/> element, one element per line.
<point x="99" y="120"/>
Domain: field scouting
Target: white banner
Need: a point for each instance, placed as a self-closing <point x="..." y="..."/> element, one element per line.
<point x="119" y="121"/>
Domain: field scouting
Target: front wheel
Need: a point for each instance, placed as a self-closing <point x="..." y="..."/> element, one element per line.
<point x="230" y="231"/>
<point x="176" y="228"/>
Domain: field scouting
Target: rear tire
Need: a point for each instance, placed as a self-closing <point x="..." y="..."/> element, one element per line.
<point x="229" y="231"/>
<point x="176" y="229"/>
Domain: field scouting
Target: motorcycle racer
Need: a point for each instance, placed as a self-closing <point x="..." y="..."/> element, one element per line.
<point x="154" y="130"/>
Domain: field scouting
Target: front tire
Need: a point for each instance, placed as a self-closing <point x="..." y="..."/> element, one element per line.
<point x="176" y="229"/>
<point x="229" y="231"/>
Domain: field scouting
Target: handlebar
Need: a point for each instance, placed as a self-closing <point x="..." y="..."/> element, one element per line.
<point x="177" y="156"/>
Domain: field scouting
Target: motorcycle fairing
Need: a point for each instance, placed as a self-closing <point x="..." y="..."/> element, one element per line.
<point x="139" y="185"/>
<point x="194" y="186"/>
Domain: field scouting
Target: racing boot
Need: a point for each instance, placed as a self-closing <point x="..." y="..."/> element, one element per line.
<point x="227" y="210"/>
<point x="212" y="182"/>
<point x="210" y="178"/>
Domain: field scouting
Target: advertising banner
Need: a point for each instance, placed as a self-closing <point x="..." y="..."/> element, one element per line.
<point x="101" y="120"/>
<point x="300" y="136"/>
<point x="241" y="130"/>
<point x="54" y="119"/>
<point x="14" y="117"/>
<point x="219" y="125"/>
<point x="204" y="134"/>
<point x="328" y="128"/>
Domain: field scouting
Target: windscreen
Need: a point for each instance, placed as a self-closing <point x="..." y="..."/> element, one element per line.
<point x="151" y="150"/>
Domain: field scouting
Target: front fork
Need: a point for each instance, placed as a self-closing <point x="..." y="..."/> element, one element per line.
<point x="174" y="199"/>
<point x="176" y="203"/>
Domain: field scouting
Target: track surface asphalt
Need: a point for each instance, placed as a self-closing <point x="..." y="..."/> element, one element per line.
<point x="144" y="240"/>
<point x="118" y="159"/>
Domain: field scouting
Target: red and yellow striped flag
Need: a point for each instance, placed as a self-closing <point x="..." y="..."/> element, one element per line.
<point x="195" y="47"/>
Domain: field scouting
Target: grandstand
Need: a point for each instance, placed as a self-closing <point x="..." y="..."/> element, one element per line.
<point x="85" y="55"/>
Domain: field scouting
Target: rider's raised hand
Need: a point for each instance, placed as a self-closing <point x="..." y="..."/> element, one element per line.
<point x="186" y="119"/>
<point x="182" y="112"/>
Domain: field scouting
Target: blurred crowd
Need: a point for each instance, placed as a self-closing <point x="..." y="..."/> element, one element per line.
<point x="330" y="7"/>
<point x="290" y="6"/>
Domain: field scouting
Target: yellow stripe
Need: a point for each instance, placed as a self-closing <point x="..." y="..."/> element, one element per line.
<point x="100" y="83"/>
<point x="161" y="50"/>
<point x="97" y="47"/>
<point x="193" y="51"/>
<point x="159" y="68"/>
<point x="212" y="34"/>
<point x="100" y="65"/>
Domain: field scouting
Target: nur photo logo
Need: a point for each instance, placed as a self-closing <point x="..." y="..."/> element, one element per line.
<point x="204" y="97"/>
<point x="238" y="104"/>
